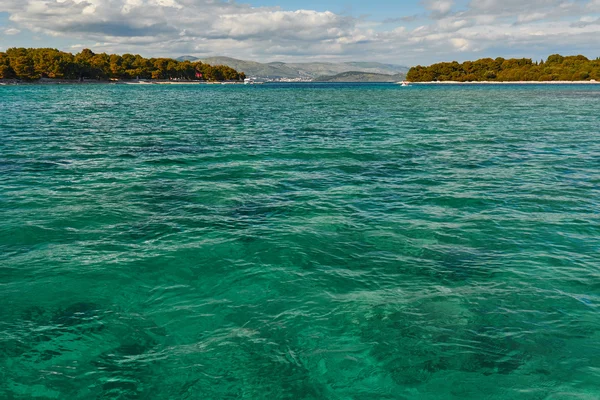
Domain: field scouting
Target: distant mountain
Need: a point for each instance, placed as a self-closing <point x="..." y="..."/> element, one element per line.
<point x="277" y="70"/>
<point x="255" y="69"/>
<point x="355" y="76"/>
<point x="187" y="58"/>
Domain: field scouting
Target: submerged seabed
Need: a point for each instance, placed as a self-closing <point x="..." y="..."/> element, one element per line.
<point x="300" y="242"/>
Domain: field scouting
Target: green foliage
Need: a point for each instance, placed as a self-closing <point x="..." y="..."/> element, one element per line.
<point x="31" y="64"/>
<point x="6" y="71"/>
<point x="555" y="68"/>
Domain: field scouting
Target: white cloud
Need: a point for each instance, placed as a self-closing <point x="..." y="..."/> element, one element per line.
<point x="594" y="5"/>
<point x="438" y="7"/>
<point x="526" y="10"/>
<point x="460" y="44"/>
<point x="11" y="31"/>
<point x="301" y="24"/>
<point x="530" y="17"/>
<point x="203" y="27"/>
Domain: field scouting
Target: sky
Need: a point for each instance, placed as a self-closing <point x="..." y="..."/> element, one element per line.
<point x="401" y="32"/>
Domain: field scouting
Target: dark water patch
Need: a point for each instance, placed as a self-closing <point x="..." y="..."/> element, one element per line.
<point x="128" y="370"/>
<point x="255" y="212"/>
<point x="168" y="162"/>
<point x="148" y="230"/>
<point x="496" y="354"/>
<point x="127" y="156"/>
<point x="76" y="314"/>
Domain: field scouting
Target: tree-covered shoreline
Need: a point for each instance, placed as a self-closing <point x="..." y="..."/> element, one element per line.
<point x="555" y="68"/>
<point x="33" y="64"/>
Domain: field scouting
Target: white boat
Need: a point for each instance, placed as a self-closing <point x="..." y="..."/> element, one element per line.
<point x="248" y="81"/>
<point x="404" y="83"/>
<point x="136" y="83"/>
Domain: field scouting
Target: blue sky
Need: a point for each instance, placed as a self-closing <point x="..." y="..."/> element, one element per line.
<point x="408" y="32"/>
<point x="377" y="9"/>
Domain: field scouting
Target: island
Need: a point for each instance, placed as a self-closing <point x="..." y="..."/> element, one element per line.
<point x="356" y="76"/>
<point x="282" y="72"/>
<point x="555" y="68"/>
<point x="46" y="64"/>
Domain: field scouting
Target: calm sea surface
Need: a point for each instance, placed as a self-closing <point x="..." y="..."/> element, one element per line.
<point x="299" y="242"/>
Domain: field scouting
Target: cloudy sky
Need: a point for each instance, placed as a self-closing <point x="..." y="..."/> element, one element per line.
<point x="404" y="32"/>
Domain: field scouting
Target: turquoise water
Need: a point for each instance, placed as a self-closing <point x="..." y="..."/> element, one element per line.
<point x="299" y="242"/>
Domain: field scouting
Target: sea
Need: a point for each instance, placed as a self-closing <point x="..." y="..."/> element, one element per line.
<point x="300" y="241"/>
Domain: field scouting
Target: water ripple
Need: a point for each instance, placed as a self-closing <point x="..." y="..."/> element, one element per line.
<point x="299" y="241"/>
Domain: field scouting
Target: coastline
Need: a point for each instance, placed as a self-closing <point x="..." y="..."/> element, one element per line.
<point x="14" y="82"/>
<point x="508" y="83"/>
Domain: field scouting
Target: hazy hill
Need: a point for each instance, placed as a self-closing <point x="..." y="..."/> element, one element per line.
<point x="186" y="58"/>
<point x="355" y="76"/>
<point x="255" y="69"/>
<point x="276" y="70"/>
